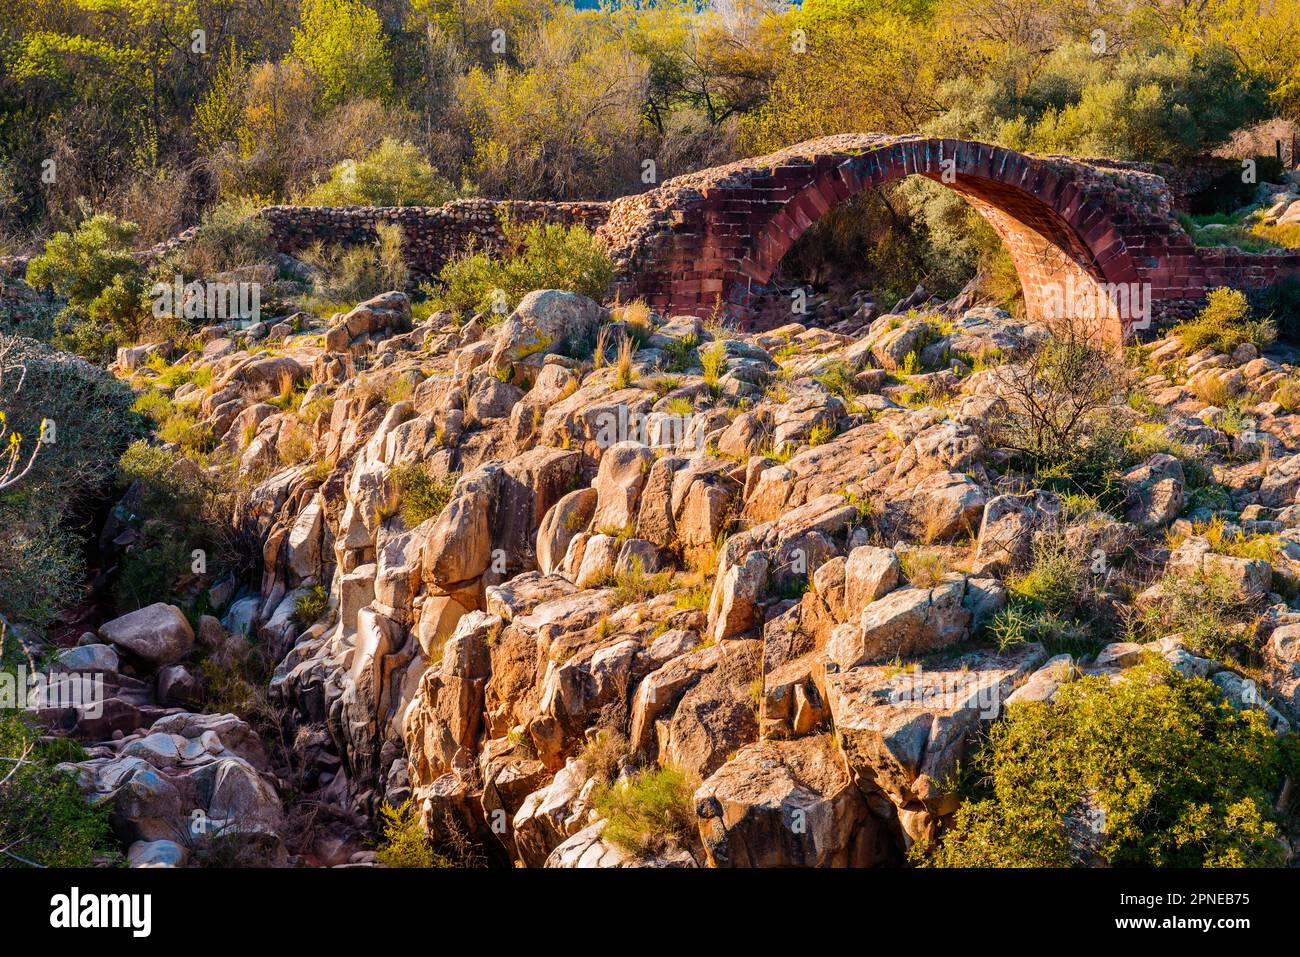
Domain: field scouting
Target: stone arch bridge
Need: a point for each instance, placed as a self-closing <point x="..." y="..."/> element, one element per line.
<point x="1090" y="239"/>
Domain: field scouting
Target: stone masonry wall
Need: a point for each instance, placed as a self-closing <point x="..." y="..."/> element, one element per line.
<point x="433" y="236"/>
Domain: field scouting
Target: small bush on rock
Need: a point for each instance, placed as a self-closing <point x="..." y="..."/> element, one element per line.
<point x="648" y="812"/>
<point x="422" y="494"/>
<point x="1056" y="402"/>
<point x="405" y="843"/>
<point x="636" y="584"/>
<point x="311" y="606"/>
<point x="232" y="235"/>
<point x="1207" y="609"/>
<point x="1224" y="324"/>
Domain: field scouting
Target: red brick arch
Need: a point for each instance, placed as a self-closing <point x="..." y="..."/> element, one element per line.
<point x="1079" y="232"/>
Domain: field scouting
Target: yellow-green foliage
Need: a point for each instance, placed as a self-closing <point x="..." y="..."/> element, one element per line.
<point x="1207" y="608"/>
<point x="537" y="257"/>
<point x="821" y="434"/>
<point x="1287" y="236"/>
<point x="922" y="569"/>
<point x="1224" y="324"/>
<point x="92" y="269"/>
<point x="422" y="494"/>
<point x="311" y="606"/>
<point x="636" y="584"/>
<point x="1179" y="777"/>
<point x="342" y="44"/>
<point x="347" y="274"/>
<point x="648" y="812"/>
<point x="405" y="844"/>
<point x="713" y="360"/>
<point x="392" y="174"/>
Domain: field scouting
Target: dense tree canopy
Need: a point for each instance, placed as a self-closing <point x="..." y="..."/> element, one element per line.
<point x="155" y="109"/>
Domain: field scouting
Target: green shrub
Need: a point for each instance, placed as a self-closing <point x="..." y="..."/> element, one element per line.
<point x="82" y="264"/>
<point x="1049" y="602"/>
<point x="1179" y="777"/>
<point x="91" y="413"/>
<point x="232" y="235"/>
<point x="1055" y="578"/>
<point x="392" y="174"/>
<point x="837" y="379"/>
<point x="713" y="360"/>
<point x="636" y="584"/>
<point x="537" y="256"/>
<point x="92" y="268"/>
<point x="44" y="819"/>
<point x="1224" y="324"/>
<point x="43" y="568"/>
<point x="311" y="606"/>
<point x="682" y="354"/>
<point x="181" y="506"/>
<point x="648" y="812"/>
<point x="603" y="752"/>
<point x="236" y="683"/>
<point x="405" y="843"/>
<point x="183" y="428"/>
<point x="422" y="494"/>
<point x="1206" y="608"/>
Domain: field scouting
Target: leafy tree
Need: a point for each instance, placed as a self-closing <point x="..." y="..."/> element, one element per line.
<point x="1157" y="104"/>
<point x="1156" y="770"/>
<point x="876" y="73"/>
<point x="1263" y="38"/>
<point x="342" y="44"/>
<point x="566" y="125"/>
<point x="218" y="115"/>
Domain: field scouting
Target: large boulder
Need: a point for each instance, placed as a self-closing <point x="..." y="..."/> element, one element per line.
<point x="622" y="475"/>
<point x="1155" y="491"/>
<point x="905" y="622"/>
<point x="1007" y="529"/>
<point x="869" y="573"/>
<point x="460" y="544"/>
<point x="788" y="804"/>
<point x="1253" y="576"/>
<point x="546" y="320"/>
<point x="157" y="634"/>
<point x="904" y="732"/>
